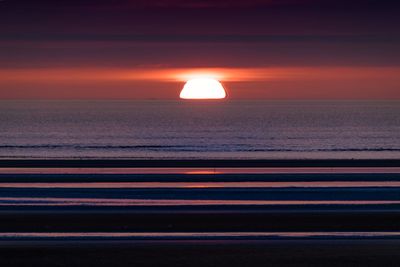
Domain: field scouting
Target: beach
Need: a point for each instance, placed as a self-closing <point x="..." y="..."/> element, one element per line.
<point x="225" y="213"/>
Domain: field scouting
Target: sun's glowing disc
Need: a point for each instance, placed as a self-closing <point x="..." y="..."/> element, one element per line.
<point x="203" y="88"/>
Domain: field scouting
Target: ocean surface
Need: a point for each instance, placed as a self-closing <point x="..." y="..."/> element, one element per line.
<point x="200" y="129"/>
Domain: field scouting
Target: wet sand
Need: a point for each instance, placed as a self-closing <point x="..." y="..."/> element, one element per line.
<point x="265" y="213"/>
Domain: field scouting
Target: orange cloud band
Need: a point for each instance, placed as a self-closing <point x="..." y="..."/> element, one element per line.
<point x="223" y="74"/>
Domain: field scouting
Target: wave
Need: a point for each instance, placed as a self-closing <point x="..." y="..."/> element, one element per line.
<point x="197" y="148"/>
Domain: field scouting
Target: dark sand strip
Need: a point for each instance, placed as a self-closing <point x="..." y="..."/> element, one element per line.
<point x="200" y="219"/>
<point x="282" y="253"/>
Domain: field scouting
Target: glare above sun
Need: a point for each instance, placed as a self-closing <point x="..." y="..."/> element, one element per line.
<point x="203" y="88"/>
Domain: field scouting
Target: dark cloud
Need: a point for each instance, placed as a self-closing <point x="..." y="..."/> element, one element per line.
<point x="168" y="38"/>
<point x="199" y="32"/>
<point x="200" y="17"/>
<point x="195" y="3"/>
<point x="149" y="3"/>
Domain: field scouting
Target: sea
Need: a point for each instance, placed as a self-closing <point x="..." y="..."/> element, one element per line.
<point x="349" y="212"/>
<point x="227" y="129"/>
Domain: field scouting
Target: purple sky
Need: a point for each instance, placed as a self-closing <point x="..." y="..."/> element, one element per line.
<point x="44" y="35"/>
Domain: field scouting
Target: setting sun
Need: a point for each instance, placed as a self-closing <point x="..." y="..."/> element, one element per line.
<point x="203" y="88"/>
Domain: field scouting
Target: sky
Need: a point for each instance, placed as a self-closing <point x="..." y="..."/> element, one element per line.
<point x="144" y="49"/>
